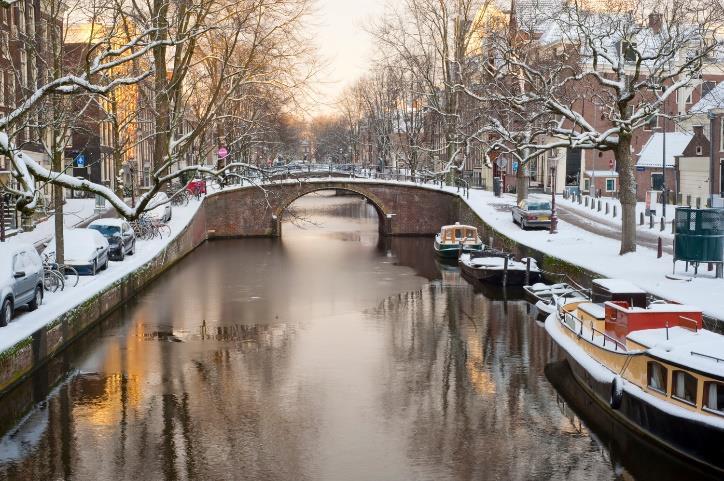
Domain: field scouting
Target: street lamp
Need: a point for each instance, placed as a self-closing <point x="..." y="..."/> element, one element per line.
<point x="554" y="175"/>
<point x="712" y="117"/>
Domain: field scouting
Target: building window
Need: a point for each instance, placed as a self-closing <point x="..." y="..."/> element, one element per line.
<point x="586" y="185"/>
<point x="714" y="396"/>
<point x="707" y="87"/>
<point x="680" y="95"/>
<point x="684" y="387"/>
<point x="656" y="375"/>
<point x="699" y="150"/>
<point x="610" y="185"/>
<point x="721" y="134"/>
<point x="657" y="181"/>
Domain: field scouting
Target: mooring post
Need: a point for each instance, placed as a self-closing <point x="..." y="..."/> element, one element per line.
<point x="660" y="249"/>
<point x="663" y="224"/>
<point x="651" y="221"/>
<point x="614" y="210"/>
<point x="641" y="219"/>
<point x="505" y="272"/>
<point x="527" y="271"/>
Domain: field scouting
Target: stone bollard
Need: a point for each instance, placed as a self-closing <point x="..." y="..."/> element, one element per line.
<point x="586" y="202"/>
<point x="660" y="249"/>
<point x="615" y="208"/>
<point x="663" y="224"/>
<point x="580" y="199"/>
<point x="651" y="221"/>
<point x="698" y="202"/>
<point x="599" y="206"/>
<point x="641" y="220"/>
<point x="688" y="200"/>
<point x="607" y="208"/>
<point x="593" y="204"/>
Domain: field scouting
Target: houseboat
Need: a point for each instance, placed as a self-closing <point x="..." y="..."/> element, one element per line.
<point x="457" y="239"/>
<point x="499" y="268"/>
<point x="653" y="368"/>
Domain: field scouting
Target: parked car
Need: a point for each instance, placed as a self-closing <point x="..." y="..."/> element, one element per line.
<point x="120" y="236"/>
<point x="85" y="249"/>
<point x="532" y="213"/>
<point x="160" y="207"/>
<point x="21" y="279"/>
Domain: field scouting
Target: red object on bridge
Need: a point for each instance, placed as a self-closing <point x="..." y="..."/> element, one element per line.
<point x="196" y="186"/>
<point x="610" y="164"/>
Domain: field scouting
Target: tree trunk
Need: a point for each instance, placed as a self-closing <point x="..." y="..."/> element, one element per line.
<point x="58" y="203"/>
<point x="521" y="183"/>
<point x="627" y="193"/>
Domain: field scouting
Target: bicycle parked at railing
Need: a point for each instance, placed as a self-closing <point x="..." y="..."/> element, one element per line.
<point x="148" y="227"/>
<point x="56" y="275"/>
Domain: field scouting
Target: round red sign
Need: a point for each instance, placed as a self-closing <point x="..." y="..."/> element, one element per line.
<point x="223" y="152"/>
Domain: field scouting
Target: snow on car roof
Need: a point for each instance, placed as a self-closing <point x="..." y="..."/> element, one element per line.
<point x="9" y="249"/>
<point x="702" y="350"/>
<point x="108" y="221"/>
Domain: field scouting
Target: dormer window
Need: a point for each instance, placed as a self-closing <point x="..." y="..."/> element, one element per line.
<point x="699" y="150"/>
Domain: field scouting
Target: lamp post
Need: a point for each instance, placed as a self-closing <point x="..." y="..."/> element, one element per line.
<point x="2" y="217"/>
<point x="554" y="174"/>
<point x="663" y="172"/>
<point x="712" y="118"/>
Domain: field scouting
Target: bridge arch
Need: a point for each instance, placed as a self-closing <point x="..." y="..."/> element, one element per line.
<point x="312" y="188"/>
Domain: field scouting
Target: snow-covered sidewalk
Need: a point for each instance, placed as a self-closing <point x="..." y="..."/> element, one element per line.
<point x="75" y="213"/>
<point x="55" y="304"/>
<point x="601" y="255"/>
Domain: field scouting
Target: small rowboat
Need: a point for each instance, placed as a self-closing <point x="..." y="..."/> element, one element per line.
<point x="498" y="268"/>
<point x="544" y="296"/>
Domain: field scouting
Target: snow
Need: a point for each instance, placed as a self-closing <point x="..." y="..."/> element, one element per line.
<point x="109" y="221"/>
<point x="618" y="286"/>
<point x="651" y="154"/>
<point x="712" y="101"/>
<point x="681" y="345"/>
<point x="24" y="323"/>
<point x="595" y="310"/>
<point x="75" y="212"/>
<point x="80" y="245"/>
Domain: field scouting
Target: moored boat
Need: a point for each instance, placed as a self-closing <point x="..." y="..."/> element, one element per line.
<point x="545" y="296"/>
<point x="498" y="268"/>
<point x="655" y="369"/>
<point x="457" y="239"/>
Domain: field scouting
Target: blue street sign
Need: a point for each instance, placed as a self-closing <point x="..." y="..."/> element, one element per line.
<point x="80" y="160"/>
<point x="515" y="167"/>
<point x="640" y="169"/>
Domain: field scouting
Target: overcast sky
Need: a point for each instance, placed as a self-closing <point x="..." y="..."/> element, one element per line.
<point x="343" y="42"/>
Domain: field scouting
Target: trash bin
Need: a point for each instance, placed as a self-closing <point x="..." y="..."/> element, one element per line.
<point x="497" y="186"/>
<point x="699" y="235"/>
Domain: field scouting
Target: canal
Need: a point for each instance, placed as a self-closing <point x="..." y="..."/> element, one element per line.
<point x="330" y="354"/>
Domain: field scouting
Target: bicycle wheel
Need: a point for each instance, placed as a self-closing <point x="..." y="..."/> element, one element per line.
<point x="164" y="230"/>
<point x="52" y="281"/>
<point x="71" y="276"/>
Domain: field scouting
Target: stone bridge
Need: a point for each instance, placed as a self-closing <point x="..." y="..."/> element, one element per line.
<point x="403" y="208"/>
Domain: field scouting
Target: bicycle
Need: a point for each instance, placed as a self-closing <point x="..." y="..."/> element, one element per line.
<point x="52" y="280"/>
<point x="69" y="273"/>
<point x="180" y="198"/>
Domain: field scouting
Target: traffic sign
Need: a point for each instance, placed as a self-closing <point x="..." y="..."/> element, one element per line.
<point x="80" y="161"/>
<point x="502" y="162"/>
<point x="515" y="167"/>
<point x="223" y="152"/>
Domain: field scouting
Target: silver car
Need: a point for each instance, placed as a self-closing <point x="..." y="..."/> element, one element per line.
<point x="532" y="213"/>
<point x="21" y="279"/>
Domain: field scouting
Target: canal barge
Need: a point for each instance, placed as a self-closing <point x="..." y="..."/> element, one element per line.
<point x="453" y="240"/>
<point x="499" y="268"/>
<point x="655" y="369"/>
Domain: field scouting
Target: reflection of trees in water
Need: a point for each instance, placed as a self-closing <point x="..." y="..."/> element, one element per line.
<point x="469" y="383"/>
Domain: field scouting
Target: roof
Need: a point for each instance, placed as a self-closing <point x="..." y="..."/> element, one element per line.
<point x="711" y="101"/>
<point x="108" y="221"/>
<point x="652" y="153"/>
<point x="698" y="350"/>
<point x="619" y="286"/>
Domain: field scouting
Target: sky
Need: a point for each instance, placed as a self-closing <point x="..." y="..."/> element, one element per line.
<point x="343" y="44"/>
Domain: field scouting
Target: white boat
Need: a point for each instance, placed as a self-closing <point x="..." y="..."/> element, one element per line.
<point x="498" y="268"/>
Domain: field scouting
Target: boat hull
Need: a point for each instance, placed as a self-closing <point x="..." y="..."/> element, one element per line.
<point x="453" y="252"/>
<point x="516" y="277"/>
<point x="695" y="440"/>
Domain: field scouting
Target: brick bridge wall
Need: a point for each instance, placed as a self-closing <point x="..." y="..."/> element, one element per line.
<point x="403" y="209"/>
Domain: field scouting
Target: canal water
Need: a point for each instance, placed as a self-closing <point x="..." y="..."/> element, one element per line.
<point x="330" y="354"/>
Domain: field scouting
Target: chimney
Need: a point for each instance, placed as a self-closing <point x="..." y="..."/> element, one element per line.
<point x="655" y="22"/>
<point x="698" y="131"/>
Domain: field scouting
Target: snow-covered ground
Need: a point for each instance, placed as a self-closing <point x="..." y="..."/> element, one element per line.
<point x="56" y="304"/>
<point x="601" y="255"/>
<point x="75" y="212"/>
<point x="611" y="220"/>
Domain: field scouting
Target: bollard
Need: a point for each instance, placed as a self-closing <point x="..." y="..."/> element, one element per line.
<point x="641" y="220"/>
<point x="698" y="202"/>
<point x="527" y="271"/>
<point x="688" y="200"/>
<point x="663" y="224"/>
<point x="505" y="271"/>
<point x="599" y="205"/>
<point x="586" y="203"/>
<point x="660" y="249"/>
<point x="606" y="208"/>
<point x="679" y="199"/>
<point x="651" y="221"/>
<point x="580" y="199"/>
<point x="615" y="208"/>
<point x="673" y="227"/>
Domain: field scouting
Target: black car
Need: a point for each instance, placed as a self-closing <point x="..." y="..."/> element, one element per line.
<point x="120" y="235"/>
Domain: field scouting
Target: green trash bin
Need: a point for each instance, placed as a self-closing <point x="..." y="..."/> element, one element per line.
<point x="699" y="235"/>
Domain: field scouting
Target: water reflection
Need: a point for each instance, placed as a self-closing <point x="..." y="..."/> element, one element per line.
<point x="331" y="354"/>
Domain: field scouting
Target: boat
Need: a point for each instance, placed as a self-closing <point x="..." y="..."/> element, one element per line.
<point x="453" y="240"/>
<point x="654" y="368"/>
<point x="499" y="268"/>
<point x="545" y="296"/>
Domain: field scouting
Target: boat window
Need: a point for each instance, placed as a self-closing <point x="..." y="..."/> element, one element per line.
<point x="657" y="376"/>
<point x="714" y="396"/>
<point x="684" y="386"/>
<point x="458" y="233"/>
